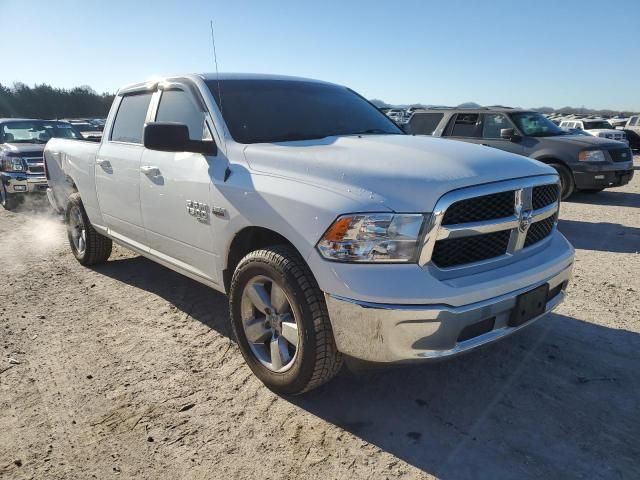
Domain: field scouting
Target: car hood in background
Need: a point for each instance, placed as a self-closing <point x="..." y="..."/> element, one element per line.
<point x="24" y="148"/>
<point x="400" y="172"/>
<point x="611" y="131"/>
<point x="581" y="141"/>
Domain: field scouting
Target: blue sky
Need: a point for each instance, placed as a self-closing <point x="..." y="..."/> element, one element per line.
<point x="535" y="53"/>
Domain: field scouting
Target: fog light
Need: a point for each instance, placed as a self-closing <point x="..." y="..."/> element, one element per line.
<point x="599" y="177"/>
<point x="20" y="188"/>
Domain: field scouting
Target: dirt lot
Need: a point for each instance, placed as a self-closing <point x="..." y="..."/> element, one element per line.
<point x="129" y="369"/>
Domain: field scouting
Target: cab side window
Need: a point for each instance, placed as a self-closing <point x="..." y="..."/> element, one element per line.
<point x="465" y="125"/>
<point x="492" y="123"/>
<point x="177" y="106"/>
<point x="129" y="122"/>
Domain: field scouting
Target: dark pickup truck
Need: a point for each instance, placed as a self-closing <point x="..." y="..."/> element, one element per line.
<point x="585" y="163"/>
<point x="22" y="144"/>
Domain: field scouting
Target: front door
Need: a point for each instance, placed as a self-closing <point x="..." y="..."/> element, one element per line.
<point x="490" y="126"/>
<point x="118" y="170"/>
<point x="175" y="192"/>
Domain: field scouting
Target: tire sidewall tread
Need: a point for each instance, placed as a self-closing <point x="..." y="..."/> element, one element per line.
<point x="98" y="247"/>
<point x="317" y="359"/>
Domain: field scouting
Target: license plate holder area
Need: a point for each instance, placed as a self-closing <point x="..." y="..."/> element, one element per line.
<point x="529" y="305"/>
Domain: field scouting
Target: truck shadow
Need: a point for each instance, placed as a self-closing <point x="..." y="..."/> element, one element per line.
<point x="607" y="197"/>
<point x="601" y="236"/>
<point x="543" y="404"/>
<point x="193" y="298"/>
<point x="559" y="399"/>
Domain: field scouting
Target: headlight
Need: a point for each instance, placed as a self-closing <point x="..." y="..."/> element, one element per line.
<point x="592" y="156"/>
<point x="13" y="164"/>
<point x="374" y="237"/>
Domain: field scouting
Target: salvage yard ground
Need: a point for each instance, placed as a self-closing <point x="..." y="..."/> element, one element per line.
<point x="130" y="370"/>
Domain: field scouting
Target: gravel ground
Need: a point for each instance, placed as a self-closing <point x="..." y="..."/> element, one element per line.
<point x="130" y="369"/>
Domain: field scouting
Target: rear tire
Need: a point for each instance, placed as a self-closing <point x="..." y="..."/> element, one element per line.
<point x="286" y="363"/>
<point x="567" y="184"/>
<point x="8" y="201"/>
<point x="87" y="245"/>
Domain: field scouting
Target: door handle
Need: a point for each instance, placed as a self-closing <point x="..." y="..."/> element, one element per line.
<point x="150" y="171"/>
<point x="102" y="162"/>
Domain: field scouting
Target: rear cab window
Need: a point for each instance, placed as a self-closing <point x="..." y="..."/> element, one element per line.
<point x="425" y="123"/>
<point x="464" y="125"/>
<point x="129" y="122"/>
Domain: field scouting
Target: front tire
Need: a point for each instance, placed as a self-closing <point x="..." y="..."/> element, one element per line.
<point x="280" y="320"/>
<point x="7" y="200"/>
<point x="87" y="245"/>
<point x="567" y="184"/>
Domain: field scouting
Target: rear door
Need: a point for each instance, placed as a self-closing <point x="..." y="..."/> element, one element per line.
<point x="118" y="169"/>
<point x="175" y="189"/>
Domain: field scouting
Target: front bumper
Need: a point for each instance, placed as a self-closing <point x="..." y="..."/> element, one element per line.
<point x="603" y="179"/>
<point x="20" y="182"/>
<point x="402" y="333"/>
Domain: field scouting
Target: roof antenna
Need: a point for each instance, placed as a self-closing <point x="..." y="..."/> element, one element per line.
<point x="227" y="170"/>
<point x="215" y="59"/>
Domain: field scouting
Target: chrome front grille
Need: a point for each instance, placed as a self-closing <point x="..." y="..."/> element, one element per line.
<point x="544" y="195"/>
<point x="35" y="165"/>
<point x="488" y="207"/>
<point x="540" y="230"/>
<point x="620" y="154"/>
<point x="452" y="252"/>
<point x="488" y="222"/>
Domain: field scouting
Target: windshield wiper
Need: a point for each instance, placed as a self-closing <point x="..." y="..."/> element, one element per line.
<point x="373" y="131"/>
<point x="293" y="136"/>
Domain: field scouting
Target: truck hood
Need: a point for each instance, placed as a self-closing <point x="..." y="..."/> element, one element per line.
<point x="595" y="131"/>
<point x="400" y="172"/>
<point x="580" y="141"/>
<point x="24" y="148"/>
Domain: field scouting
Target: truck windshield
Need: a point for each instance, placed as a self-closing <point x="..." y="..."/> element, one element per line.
<point x="265" y="111"/>
<point x="36" y="131"/>
<point x="533" y="124"/>
<point x="601" y="124"/>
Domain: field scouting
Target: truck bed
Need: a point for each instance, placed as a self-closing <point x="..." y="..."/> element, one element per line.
<point x="66" y="159"/>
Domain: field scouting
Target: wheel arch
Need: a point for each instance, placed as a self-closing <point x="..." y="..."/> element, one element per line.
<point x="246" y="240"/>
<point x="549" y="159"/>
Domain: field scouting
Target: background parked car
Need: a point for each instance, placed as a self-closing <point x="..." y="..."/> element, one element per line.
<point x="21" y="145"/>
<point x="597" y="127"/>
<point x="632" y="130"/>
<point x="396" y="114"/>
<point x="88" y="129"/>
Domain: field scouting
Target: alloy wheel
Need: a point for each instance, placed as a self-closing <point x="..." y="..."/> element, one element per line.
<point x="78" y="230"/>
<point x="269" y="323"/>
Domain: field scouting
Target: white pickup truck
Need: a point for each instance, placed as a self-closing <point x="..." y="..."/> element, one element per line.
<point x="333" y="232"/>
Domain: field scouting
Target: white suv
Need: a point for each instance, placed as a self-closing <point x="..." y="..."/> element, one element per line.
<point x="596" y="127"/>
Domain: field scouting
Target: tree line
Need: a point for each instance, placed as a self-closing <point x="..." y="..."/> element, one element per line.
<point x="564" y="110"/>
<point x="47" y="102"/>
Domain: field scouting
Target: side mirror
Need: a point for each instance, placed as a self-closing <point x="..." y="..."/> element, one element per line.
<point x="509" y="134"/>
<point x="174" y="137"/>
